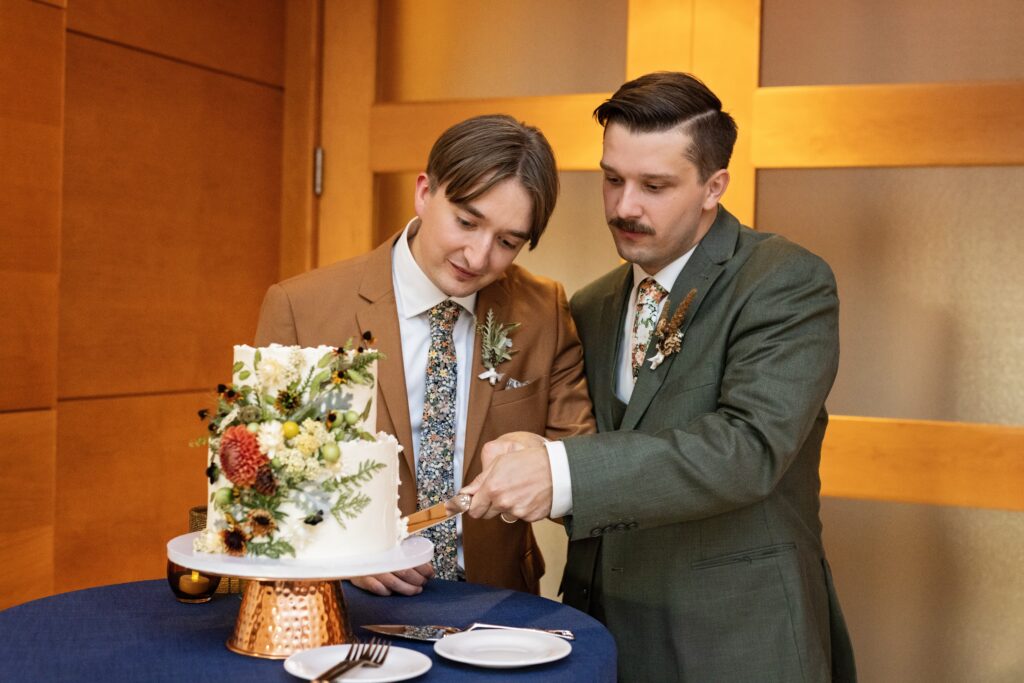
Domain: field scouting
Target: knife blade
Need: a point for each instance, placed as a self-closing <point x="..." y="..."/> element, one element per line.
<point x="430" y="633"/>
<point x="434" y="632"/>
<point x="435" y="514"/>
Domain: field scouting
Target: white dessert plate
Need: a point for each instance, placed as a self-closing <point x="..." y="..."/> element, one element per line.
<point x="500" y="649"/>
<point x="400" y="665"/>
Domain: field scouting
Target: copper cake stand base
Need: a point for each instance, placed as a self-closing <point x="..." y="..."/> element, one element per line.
<point x="288" y="606"/>
<point x="279" y="618"/>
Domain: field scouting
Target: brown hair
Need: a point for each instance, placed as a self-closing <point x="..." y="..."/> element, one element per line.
<point x="473" y="156"/>
<point x="665" y="99"/>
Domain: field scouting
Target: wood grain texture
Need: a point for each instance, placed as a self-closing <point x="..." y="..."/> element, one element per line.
<point x="945" y="124"/>
<point x="299" y="206"/>
<point x="126" y="478"/>
<point x="243" y="37"/>
<point x="171" y="220"/>
<point x="401" y="134"/>
<point x="31" y="111"/>
<point x="27" y="471"/>
<point x="920" y="461"/>
<point x="349" y="90"/>
<point x="28" y="341"/>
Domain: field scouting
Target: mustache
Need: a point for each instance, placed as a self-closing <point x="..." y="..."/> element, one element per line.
<point x="630" y="226"/>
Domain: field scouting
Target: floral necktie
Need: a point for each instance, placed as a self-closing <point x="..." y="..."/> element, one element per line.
<point x="648" y="295"/>
<point x="435" y="476"/>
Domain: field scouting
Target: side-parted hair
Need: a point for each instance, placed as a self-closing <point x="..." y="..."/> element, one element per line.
<point x="473" y="156"/>
<point x="662" y="100"/>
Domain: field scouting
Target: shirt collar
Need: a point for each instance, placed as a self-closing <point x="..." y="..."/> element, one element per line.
<point x="415" y="293"/>
<point x="666" y="277"/>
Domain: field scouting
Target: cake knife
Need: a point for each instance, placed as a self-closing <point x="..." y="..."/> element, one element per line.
<point x="435" y="514"/>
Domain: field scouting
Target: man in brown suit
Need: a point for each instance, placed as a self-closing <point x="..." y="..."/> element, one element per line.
<point x="488" y="190"/>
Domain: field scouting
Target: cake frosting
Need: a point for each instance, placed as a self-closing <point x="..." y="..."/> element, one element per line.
<point x="296" y="468"/>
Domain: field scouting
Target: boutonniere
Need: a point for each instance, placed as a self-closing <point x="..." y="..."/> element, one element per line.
<point x="495" y="346"/>
<point x="669" y="333"/>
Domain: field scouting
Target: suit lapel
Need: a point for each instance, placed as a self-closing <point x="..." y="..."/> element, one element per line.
<point x="380" y="317"/>
<point x="495" y="297"/>
<point x="605" y="359"/>
<point x="700" y="273"/>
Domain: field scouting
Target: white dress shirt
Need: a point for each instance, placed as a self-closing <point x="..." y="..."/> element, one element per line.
<point x="561" y="484"/>
<point x="415" y="295"/>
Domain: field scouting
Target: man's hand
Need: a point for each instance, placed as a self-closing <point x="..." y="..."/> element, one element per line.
<point x="405" y="582"/>
<point x="516" y="479"/>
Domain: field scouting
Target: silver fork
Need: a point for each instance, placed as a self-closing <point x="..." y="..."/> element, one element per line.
<point x="370" y="654"/>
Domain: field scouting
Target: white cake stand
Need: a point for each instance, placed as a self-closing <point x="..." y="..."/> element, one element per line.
<point x="291" y="605"/>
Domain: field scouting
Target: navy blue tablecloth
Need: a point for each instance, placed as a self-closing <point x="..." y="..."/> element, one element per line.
<point x="139" y="632"/>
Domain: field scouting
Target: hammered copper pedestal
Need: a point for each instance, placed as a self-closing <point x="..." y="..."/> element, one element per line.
<point x="278" y="618"/>
<point x="290" y="605"/>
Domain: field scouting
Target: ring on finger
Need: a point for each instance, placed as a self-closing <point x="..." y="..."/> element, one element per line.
<point x="509" y="519"/>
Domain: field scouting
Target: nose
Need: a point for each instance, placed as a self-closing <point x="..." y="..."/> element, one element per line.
<point x="477" y="251"/>
<point x="629" y="205"/>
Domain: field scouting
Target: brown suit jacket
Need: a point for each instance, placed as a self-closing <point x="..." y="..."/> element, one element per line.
<point x="343" y="300"/>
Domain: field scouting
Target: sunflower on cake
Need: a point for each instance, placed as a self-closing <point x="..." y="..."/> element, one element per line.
<point x="295" y="469"/>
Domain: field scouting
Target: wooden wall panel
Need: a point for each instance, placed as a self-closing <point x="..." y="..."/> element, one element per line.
<point x="126" y="480"/>
<point x="31" y="110"/>
<point x="171" y="220"/>
<point x="946" y="124"/>
<point x="920" y="461"/>
<point x="27" y="458"/>
<point x="301" y="133"/>
<point x="350" y="60"/>
<point x="244" y="37"/>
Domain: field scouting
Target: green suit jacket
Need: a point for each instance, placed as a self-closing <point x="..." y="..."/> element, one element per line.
<point x="694" y="531"/>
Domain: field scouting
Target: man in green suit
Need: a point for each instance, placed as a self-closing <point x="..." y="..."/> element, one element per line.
<point x="693" y="514"/>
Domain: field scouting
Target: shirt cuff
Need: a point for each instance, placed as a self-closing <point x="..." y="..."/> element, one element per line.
<point x="561" y="482"/>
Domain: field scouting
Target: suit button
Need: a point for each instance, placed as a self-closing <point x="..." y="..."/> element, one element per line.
<point x="596" y="531"/>
<point x="608" y="529"/>
<point x="632" y="525"/>
<point x="620" y="527"/>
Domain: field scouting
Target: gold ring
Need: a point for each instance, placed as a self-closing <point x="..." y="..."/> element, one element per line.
<point x="508" y="520"/>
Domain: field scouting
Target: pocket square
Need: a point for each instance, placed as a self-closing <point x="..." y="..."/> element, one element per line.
<point x="515" y="383"/>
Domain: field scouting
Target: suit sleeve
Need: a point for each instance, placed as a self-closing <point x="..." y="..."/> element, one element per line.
<point x="569" y="409"/>
<point x="781" y="359"/>
<point x="277" y="321"/>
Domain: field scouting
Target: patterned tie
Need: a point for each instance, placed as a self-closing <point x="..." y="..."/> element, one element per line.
<point x="648" y="295"/>
<point x="435" y="476"/>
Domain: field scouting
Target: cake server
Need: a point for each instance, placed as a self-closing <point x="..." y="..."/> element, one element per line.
<point x="435" y="633"/>
<point x="435" y="514"/>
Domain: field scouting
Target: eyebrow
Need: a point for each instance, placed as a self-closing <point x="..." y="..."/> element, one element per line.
<point x="663" y="177"/>
<point x="479" y="214"/>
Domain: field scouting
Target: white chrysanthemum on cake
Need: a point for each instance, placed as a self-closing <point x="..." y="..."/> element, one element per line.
<point x="295" y="469"/>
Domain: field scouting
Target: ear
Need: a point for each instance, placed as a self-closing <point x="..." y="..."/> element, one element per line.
<point x="715" y="187"/>
<point x="422" y="193"/>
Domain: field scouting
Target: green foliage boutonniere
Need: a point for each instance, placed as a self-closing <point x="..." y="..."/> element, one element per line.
<point x="495" y="346"/>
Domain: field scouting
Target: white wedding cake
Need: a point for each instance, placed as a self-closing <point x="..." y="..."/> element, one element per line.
<point x="295" y="466"/>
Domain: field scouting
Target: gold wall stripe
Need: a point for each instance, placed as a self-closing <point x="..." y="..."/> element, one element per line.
<point x="920" y="461"/>
<point x="942" y="124"/>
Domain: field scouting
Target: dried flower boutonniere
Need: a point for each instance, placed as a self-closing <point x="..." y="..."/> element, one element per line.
<point x="495" y="346"/>
<point x="669" y="332"/>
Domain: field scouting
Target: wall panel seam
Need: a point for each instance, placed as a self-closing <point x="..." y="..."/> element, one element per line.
<point x="176" y="60"/>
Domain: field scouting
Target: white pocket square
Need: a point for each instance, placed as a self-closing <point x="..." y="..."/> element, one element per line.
<point x="515" y="383"/>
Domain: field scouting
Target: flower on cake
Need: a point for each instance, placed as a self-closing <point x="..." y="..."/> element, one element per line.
<point x="271" y="438"/>
<point x="240" y="456"/>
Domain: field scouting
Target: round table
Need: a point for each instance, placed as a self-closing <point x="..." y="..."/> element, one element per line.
<point x="139" y="632"/>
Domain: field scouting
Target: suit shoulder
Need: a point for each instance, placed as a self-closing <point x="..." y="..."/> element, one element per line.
<point x="526" y="287"/>
<point x="771" y="253"/>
